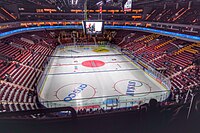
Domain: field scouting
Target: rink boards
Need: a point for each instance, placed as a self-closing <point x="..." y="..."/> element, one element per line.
<point x="93" y="76"/>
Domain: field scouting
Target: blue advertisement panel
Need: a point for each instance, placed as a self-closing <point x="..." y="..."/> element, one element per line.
<point x="144" y="29"/>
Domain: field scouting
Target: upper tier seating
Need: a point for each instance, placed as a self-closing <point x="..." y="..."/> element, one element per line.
<point x="174" y="55"/>
<point x="182" y="15"/>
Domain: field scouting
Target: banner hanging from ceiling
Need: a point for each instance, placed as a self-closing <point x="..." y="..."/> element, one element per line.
<point x="128" y="6"/>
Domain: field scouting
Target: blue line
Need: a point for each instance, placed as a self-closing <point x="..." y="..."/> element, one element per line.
<point x="93" y="72"/>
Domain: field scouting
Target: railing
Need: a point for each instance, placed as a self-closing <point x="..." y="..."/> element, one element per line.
<point x="115" y="101"/>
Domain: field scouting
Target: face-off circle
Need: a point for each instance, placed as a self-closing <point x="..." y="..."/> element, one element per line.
<point x="140" y="88"/>
<point x="93" y="63"/>
<point x="75" y="91"/>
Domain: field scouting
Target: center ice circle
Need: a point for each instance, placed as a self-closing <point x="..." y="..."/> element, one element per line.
<point x="93" y="63"/>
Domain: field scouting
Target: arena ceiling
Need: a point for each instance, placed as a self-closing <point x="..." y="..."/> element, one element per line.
<point x="68" y="3"/>
<point x="65" y="5"/>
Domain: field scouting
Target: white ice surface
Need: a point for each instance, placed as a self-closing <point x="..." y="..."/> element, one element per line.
<point x="109" y="81"/>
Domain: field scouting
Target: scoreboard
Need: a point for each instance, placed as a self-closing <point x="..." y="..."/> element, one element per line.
<point x="93" y="27"/>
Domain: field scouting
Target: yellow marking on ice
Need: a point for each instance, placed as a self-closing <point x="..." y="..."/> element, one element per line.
<point x="100" y="50"/>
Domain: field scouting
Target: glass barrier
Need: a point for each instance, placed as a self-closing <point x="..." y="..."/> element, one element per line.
<point x="117" y="101"/>
<point x="149" y="68"/>
<point x="43" y="76"/>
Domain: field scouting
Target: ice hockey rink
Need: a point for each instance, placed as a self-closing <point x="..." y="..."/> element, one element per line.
<point x="96" y="76"/>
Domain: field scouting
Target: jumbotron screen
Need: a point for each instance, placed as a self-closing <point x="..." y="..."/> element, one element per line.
<point x="93" y="27"/>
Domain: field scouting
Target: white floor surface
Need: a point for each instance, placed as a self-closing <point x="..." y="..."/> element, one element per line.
<point x="69" y="83"/>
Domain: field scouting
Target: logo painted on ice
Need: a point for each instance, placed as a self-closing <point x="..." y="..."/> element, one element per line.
<point x="131" y="88"/>
<point x="74" y="93"/>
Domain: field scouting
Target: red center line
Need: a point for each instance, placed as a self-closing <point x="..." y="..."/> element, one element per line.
<point x="80" y="63"/>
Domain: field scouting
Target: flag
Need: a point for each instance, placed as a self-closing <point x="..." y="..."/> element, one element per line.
<point x="100" y="10"/>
